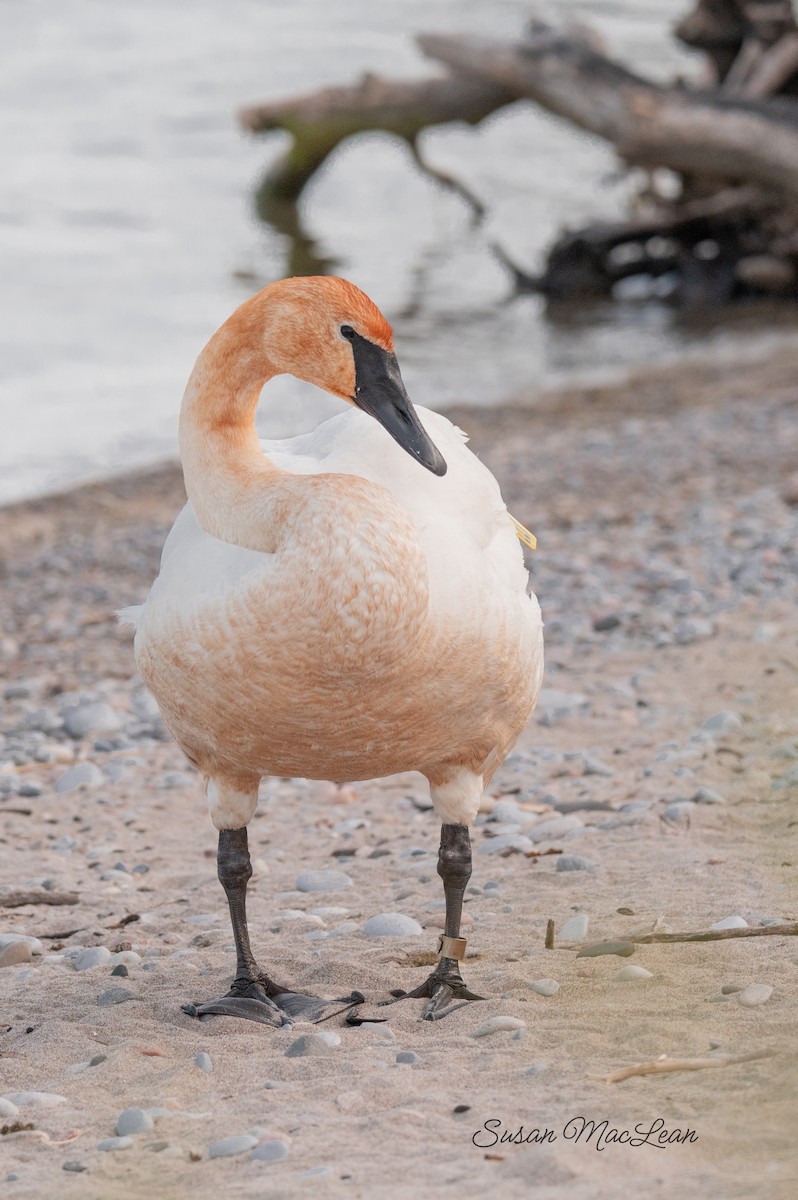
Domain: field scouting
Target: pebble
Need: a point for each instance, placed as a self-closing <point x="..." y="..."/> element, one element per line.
<point x="8" y="939"/>
<point x="391" y="925"/>
<point x="315" y="1172"/>
<point x="755" y="993"/>
<point x="550" y="829"/>
<point x="633" y="972"/>
<point x="85" y="774"/>
<point x="573" y="862"/>
<point x="554" y="705"/>
<point x="498" y="1024"/>
<point x="309" y="1044"/>
<point x="228" y="1147"/>
<point x="15" y="953"/>
<point x="115" y="995"/>
<point x="203" y="1061"/>
<point x="121" y="971"/>
<point x="729" y="989"/>
<point x="7" y="1108"/>
<point x="115" y="1143"/>
<point x="505" y="842"/>
<point x="733" y="922"/>
<point x="323" y="881"/>
<point x="407" y="1056"/>
<point x="271" y="1151"/>
<point x="36" y="1099"/>
<point x="574" y="929"/>
<point x="76" y="1167"/>
<point x="133" y="1120"/>
<point x="96" y="956"/>
<point x="721" y="723"/>
<point x="545" y="987"/>
<point x="90" y="718"/>
<point x="704" y="795"/>
<point x="623" y="949"/>
<point x="334" y="1039"/>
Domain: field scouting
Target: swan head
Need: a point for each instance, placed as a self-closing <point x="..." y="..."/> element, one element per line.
<point x="325" y="331"/>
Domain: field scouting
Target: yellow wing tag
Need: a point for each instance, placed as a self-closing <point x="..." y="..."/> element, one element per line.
<point x="523" y="534"/>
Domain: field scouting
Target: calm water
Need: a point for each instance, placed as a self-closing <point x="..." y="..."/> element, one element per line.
<point x="128" y="233"/>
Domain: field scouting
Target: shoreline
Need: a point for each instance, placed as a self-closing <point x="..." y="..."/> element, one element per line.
<point x="654" y="789"/>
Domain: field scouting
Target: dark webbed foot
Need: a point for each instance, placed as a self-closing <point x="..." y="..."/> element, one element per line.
<point x="266" y="1002"/>
<point x="444" y="990"/>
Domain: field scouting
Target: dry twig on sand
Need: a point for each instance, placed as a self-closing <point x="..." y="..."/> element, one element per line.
<point x="661" y="1065"/>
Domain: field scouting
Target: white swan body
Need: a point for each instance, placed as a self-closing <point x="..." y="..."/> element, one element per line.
<point x="246" y="680"/>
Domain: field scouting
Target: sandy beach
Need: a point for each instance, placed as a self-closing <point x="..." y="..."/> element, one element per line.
<point x="654" y="790"/>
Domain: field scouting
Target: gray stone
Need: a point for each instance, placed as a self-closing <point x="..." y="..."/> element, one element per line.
<point x="554" y="705"/>
<point x="545" y="987"/>
<point x="551" y="829"/>
<point x="228" y="1147"/>
<point x="8" y="939"/>
<point x="203" y="1061"/>
<point x="133" y="1120"/>
<point x="573" y="862"/>
<point x="622" y="949"/>
<point x="121" y="971"/>
<point x="36" y="1099"/>
<point x="7" y="1107"/>
<point x="90" y="718"/>
<point x="705" y="795"/>
<point x="76" y="1167"/>
<point x="499" y="1024"/>
<point x="633" y="972"/>
<point x="755" y="993"/>
<point x="309" y="1045"/>
<point x="115" y="1143"/>
<point x="733" y="922"/>
<point x="505" y="842"/>
<point x="392" y="925"/>
<point x="323" y="881"/>
<point x="115" y="995"/>
<point x="95" y="956"/>
<point x="406" y="1056"/>
<point x="315" y="1172"/>
<point x="85" y="774"/>
<point x="692" y="629"/>
<point x="574" y="929"/>
<point x="271" y="1151"/>
<point x="722" y="723"/>
<point x="729" y="989"/>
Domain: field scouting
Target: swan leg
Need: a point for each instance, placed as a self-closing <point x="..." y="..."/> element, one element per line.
<point x="445" y="990"/>
<point x="253" y="994"/>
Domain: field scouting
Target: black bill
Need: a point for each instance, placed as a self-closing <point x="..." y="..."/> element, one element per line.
<point x="380" y="392"/>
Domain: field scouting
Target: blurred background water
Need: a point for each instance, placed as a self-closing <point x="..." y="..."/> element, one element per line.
<point x="128" y="229"/>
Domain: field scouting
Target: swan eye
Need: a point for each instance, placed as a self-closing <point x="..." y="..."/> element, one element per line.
<point x="348" y="332"/>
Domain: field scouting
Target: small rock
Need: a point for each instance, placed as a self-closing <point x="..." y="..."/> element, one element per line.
<point x="718" y="998"/>
<point x="633" y="972"/>
<point x="85" y="774"/>
<point x="90" y="718"/>
<point x="309" y="1044"/>
<point x="499" y="1024"/>
<point x="551" y="829"/>
<point x="755" y="993"/>
<point x="574" y="862"/>
<point x="407" y="1056"/>
<point x="133" y="1120"/>
<point x="115" y="995"/>
<point x="729" y="989"/>
<point x="95" y="956"/>
<point x="574" y="929"/>
<point x="76" y="1167"/>
<point x="121" y="971"/>
<point x="323" y="881"/>
<point x="228" y="1147"/>
<point x="15" y="953"/>
<point x="391" y="925"/>
<point x="36" y="1099"/>
<point x="115" y="1143"/>
<point x="545" y="987"/>
<point x="271" y="1151"/>
<point x="7" y="1108"/>
<point x="315" y="1172"/>
<point x="733" y="922"/>
<point x="506" y="842"/>
<point x="554" y="705"/>
<point x="623" y="949"/>
<point x="203" y="1061"/>
<point x="704" y="795"/>
<point x="722" y="723"/>
<point x="8" y="939"/>
<point x="692" y="629"/>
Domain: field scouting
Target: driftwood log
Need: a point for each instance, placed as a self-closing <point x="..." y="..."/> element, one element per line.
<point x="720" y="221"/>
